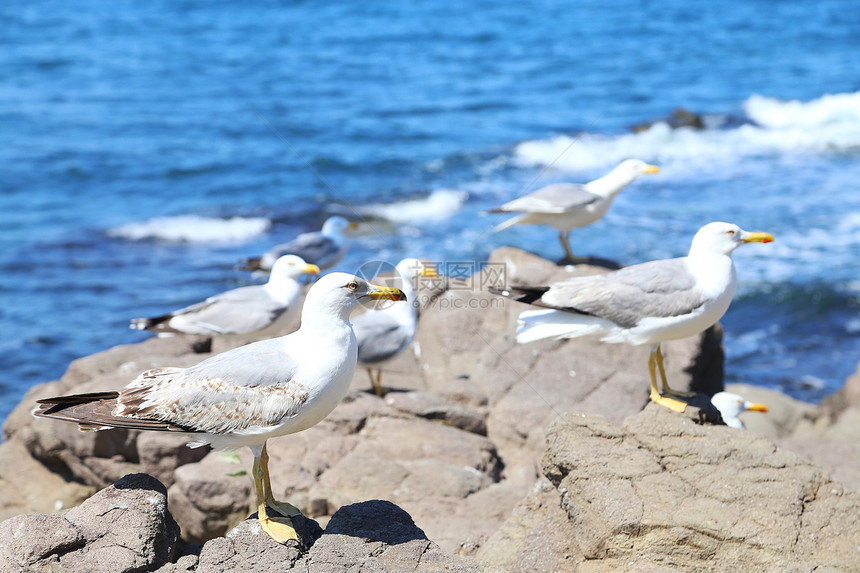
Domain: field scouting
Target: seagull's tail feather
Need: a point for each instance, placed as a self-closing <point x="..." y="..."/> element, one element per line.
<point x="94" y="411"/>
<point x="144" y="323"/>
<point x="509" y="223"/>
<point x="535" y="325"/>
<point x="160" y="324"/>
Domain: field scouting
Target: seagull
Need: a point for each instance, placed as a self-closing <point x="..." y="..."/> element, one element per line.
<point x="383" y="334"/>
<point x="731" y="405"/>
<point x="241" y="310"/>
<point x="645" y="303"/>
<point x="247" y="395"/>
<point x="323" y="248"/>
<point x="566" y="206"/>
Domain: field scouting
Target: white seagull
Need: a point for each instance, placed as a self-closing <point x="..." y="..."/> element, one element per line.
<point x="241" y="310"/>
<point x="731" y="405"/>
<point x="323" y="248"/>
<point x="383" y="334"/>
<point x="247" y="395"/>
<point x="645" y="303"/>
<point x="566" y="206"/>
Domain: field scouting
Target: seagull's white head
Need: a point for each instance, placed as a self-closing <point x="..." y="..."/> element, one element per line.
<point x="411" y="269"/>
<point x="634" y="168"/>
<point x="292" y="266"/>
<point x="724" y="238"/>
<point x="336" y="226"/>
<point x="731" y="405"/>
<point x="339" y="293"/>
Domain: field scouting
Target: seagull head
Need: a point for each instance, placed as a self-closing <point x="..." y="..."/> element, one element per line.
<point x="410" y="269"/>
<point x="340" y="293"/>
<point x="731" y="405"/>
<point x="634" y="168"/>
<point x="292" y="266"/>
<point x="336" y="226"/>
<point x="724" y="238"/>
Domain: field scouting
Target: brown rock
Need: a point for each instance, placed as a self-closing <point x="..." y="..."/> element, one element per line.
<point x="28" y="486"/>
<point x="211" y="496"/>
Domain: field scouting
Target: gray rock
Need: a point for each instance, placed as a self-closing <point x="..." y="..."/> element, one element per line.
<point x="664" y="492"/>
<point x="123" y="528"/>
<point x="379" y="536"/>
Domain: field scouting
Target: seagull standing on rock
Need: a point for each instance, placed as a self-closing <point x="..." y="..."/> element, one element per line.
<point x="566" y="206"/>
<point x="241" y="310"/>
<point x="383" y="334"/>
<point x="643" y="304"/>
<point x="323" y="248"/>
<point x="247" y="395"/>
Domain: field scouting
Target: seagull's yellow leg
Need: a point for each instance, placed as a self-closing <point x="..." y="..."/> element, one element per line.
<point x="564" y="238"/>
<point x="375" y="381"/>
<point x="568" y="253"/>
<point x="666" y="389"/>
<point x="284" y="508"/>
<point x="279" y="528"/>
<point x="670" y="403"/>
<point x="377" y="384"/>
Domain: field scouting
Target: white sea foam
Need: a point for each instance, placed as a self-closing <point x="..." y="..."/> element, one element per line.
<point x="193" y="229"/>
<point x="440" y="204"/>
<point x="831" y="122"/>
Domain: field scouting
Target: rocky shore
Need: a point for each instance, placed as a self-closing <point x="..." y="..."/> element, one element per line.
<point x="484" y="456"/>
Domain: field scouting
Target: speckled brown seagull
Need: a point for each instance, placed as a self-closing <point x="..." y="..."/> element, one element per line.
<point x="247" y="395"/>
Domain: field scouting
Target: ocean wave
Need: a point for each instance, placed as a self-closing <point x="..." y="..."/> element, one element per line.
<point x="193" y="229"/>
<point x="829" y="123"/>
<point x="440" y="204"/>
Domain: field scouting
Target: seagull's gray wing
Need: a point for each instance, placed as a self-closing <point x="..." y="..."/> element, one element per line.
<point x="627" y="296"/>
<point x="240" y="390"/>
<point x="556" y="198"/>
<point x="314" y="248"/>
<point x="379" y="337"/>
<point x="236" y="311"/>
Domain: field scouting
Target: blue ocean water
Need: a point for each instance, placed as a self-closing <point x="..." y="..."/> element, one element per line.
<point x="146" y="147"/>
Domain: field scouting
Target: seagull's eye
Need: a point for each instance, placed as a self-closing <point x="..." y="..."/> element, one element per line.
<point x="352" y="286"/>
<point x="730" y="233"/>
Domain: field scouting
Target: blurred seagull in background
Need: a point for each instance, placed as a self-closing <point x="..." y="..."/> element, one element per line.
<point x="323" y="248"/>
<point x="385" y="333"/>
<point x="566" y="206"/>
<point x="247" y="395"/>
<point x="731" y="405"/>
<point x="241" y="310"/>
<point x="645" y="303"/>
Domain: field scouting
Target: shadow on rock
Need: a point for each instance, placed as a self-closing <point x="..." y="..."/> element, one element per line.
<point x="375" y="520"/>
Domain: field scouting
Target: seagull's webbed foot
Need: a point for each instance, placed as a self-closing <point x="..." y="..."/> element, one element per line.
<point x="671" y="403"/>
<point x="279" y="528"/>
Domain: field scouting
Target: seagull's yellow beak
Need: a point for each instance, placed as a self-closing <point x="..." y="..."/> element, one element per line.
<point x="755" y="407"/>
<point x="383" y="293"/>
<point x="310" y="269"/>
<point x="352" y="227"/>
<point x="429" y="271"/>
<point x="652" y="169"/>
<point x="757" y="238"/>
